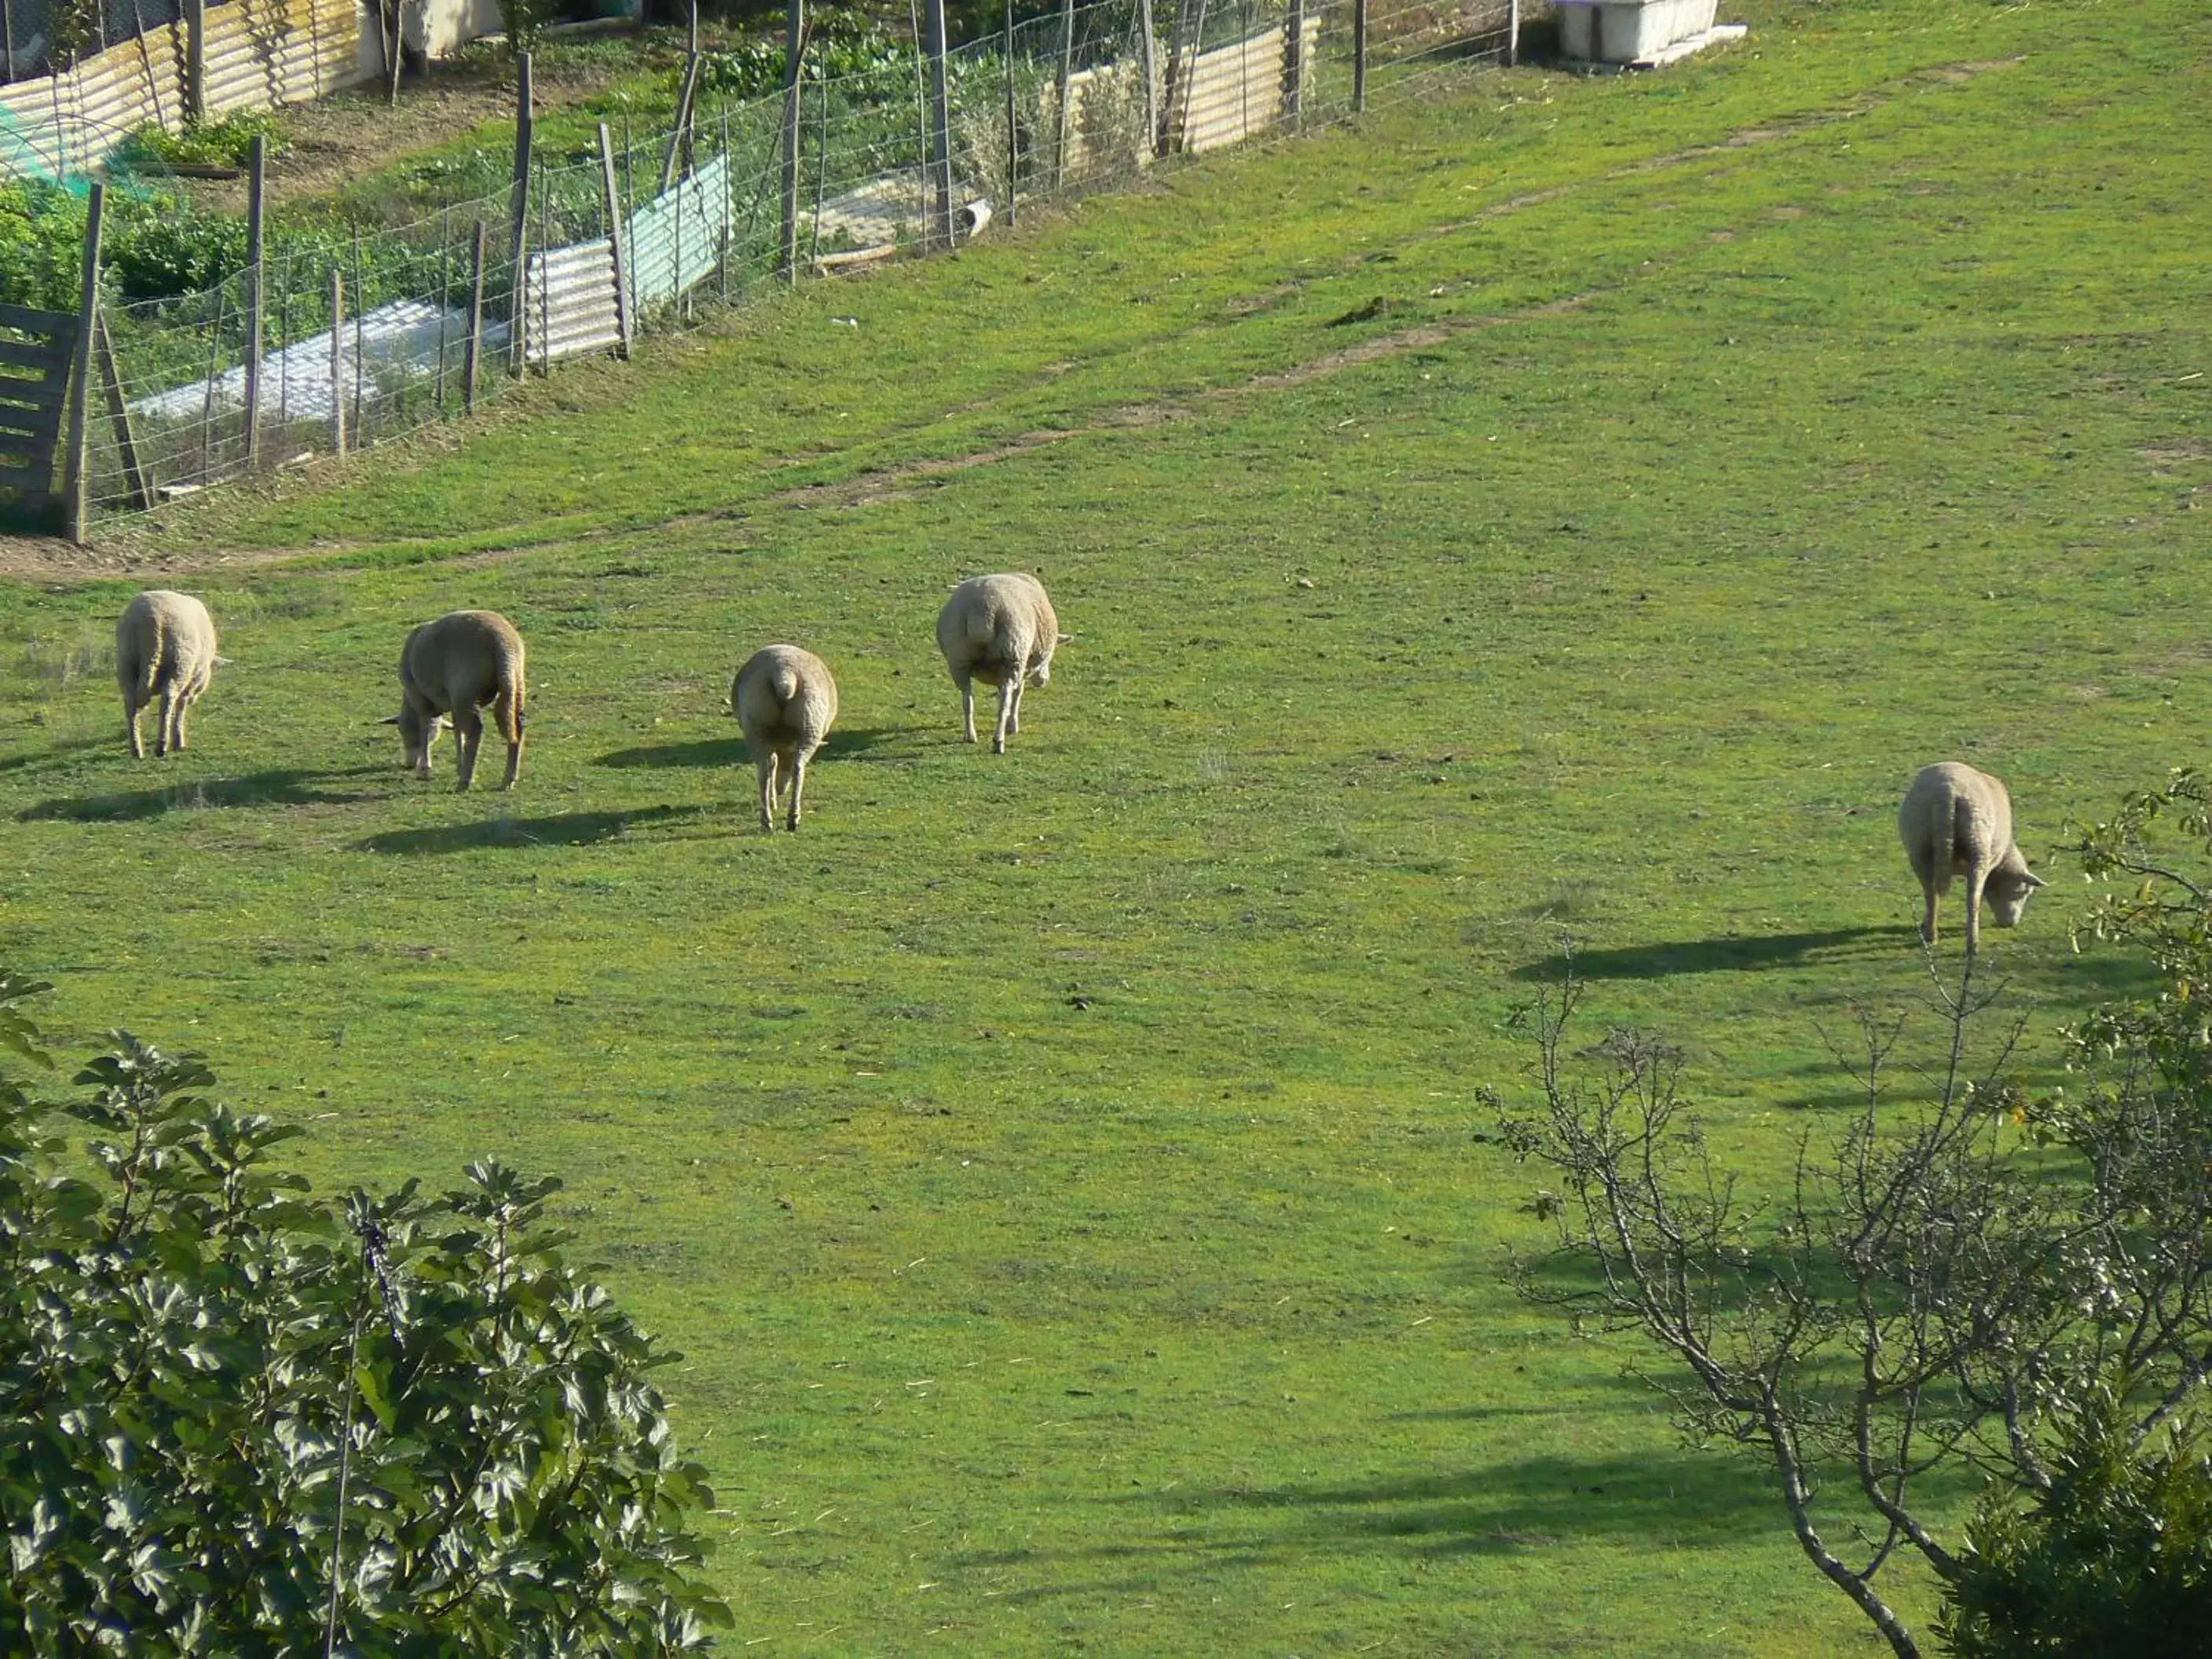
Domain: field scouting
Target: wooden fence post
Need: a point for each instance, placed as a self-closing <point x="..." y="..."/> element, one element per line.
<point x="118" y="413"/>
<point x="195" y="60"/>
<point x="7" y="41"/>
<point x="615" y="229"/>
<point x="518" y="301"/>
<point x="794" y="51"/>
<point x="940" y="132"/>
<point x="473" y="352"/>
<point x="1359" y="57"/>
<point x="337" y="362"/>
<point x="256" y="188"/>
<point x="79" y="475"/>
<point x="1294" y="64"/>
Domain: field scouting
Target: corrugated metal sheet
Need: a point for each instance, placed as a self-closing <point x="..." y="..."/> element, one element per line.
<point x="264" y="52"/>
<point x="395" y="341"/>
<point x="674" y="240"/>
<point x="1105" y="118"/>
<point x="259" y="53"/>
<point x="1234" y="91"/>
<point x="568" y="301"/>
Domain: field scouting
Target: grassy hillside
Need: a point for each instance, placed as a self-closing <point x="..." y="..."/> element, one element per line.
<point x="1562" y="506"/>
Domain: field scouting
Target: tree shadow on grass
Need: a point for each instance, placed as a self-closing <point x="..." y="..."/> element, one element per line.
<point x="851" y="745"/>
<point x="1690" y="1500"/>
<point x="1741" y="954"/>
<point x="562" y="830"/>
<point x="290" y="787"/>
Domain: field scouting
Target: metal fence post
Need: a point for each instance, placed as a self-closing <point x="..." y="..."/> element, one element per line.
<point x="1359" y="57"/>
<point x="1066" y="71"/>
<point x="1294" y="64"/>
<point x="257" y="184"/>
<point x="940" y="132"/>
<point x="338" y="363"/>
<point x="78" y="504"/>
<point x="615" y="237"/>
<point x="517" y="303"/>
<point x="1513" y="32"/>
<point x="1013" y="141"/>
<point x="794" y="48"/>
<point x="474" y="351"/>
<point x="1148" y="69"/>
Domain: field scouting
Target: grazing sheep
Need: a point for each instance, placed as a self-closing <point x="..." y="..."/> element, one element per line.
<point x="164" y="643"/>
<point x="1956" y="821"/>
<point x="453" y="666"/>
<point x="1000" y="630"/>
<point x="785" y="700"/>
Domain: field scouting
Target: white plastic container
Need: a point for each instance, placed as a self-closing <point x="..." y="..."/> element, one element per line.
<point x="1629" y="31"/>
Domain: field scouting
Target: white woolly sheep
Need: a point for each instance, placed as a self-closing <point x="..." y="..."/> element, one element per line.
<point x="786" y="700"/>
<point x="165" y="645"/>
<point x="1000" y="630"/>
<point x="1956" y="821"/>
<point x="452" y="667"/>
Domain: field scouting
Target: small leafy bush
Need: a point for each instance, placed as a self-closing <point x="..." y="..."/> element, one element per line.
<point x="238" y="1418"/>
<point x="41" y="244"/>
<point x="2114" y="1561"/>
<point x="840" y="46"/>
<point x="226" y="142"/>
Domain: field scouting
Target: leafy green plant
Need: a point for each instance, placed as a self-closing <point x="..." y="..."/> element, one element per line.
<point x="238" y="1418"/>
<point x="41" y="244"/>
<point x="841" y="45"/>
<point x="225" y="142"/>
<point x="2113" y="1561"/>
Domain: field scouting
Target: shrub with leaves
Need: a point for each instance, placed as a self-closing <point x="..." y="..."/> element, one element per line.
<point x="225" y="142"/>
<point x="236" y="1418"/>
<point x="2113" y="1560"/>
<point x="841" y="45"/>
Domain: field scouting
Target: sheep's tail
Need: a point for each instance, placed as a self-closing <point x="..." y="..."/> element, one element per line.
<point x="786" y="682"/>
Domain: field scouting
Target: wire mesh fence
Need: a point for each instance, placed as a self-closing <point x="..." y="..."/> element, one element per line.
<point x="363" y="336"/>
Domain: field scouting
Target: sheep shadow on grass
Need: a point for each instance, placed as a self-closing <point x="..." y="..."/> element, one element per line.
<point x="1736" y="954"/>
<point x="286" y="787"/>
<point x="848" y="745"/>
<point x="561" y="829"/>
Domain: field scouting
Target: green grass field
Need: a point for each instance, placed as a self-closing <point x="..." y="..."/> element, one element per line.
<point x="1063" y="1171"/>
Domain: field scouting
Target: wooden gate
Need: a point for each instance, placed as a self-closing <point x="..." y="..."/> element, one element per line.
<point x="36" y="350"/>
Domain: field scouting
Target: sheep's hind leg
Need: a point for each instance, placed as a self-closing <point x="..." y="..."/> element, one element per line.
<point x="511" y="726"/>
<point x="130" y="712"/>
<point x="1009" y="689"/>
<point x="167" y="721"/>
<point x="799" y="758"/>
<point x="967" y="706"/>
<point x="767" y="765"/>
<point x="1014" y="720"/>
<point x="184" y="709"/>
<point x="468" y="738"/>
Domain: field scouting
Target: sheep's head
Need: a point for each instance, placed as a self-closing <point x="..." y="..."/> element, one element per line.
<point x="416" y="733"/>
<point x="2009" y="892"/>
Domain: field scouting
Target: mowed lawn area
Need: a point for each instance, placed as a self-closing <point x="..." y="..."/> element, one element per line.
<point x="1556" y="507"/>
